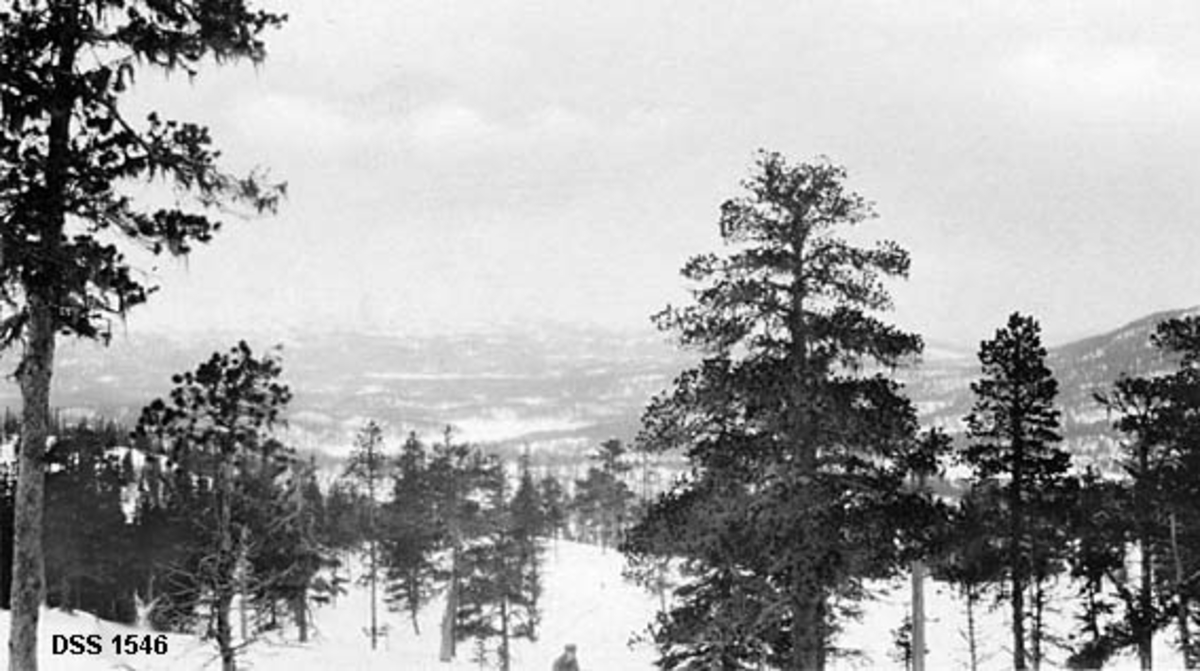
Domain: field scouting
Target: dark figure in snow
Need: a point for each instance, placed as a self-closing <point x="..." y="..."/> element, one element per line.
<point x="566" y="661"/>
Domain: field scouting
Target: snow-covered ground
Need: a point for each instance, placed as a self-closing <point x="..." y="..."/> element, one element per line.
<point x="586" y="602"/>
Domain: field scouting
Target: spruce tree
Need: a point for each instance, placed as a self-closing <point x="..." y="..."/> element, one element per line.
<point x="67" y="155"/>
<point x="794" y="435"/>
<point x="1013" y="428"/>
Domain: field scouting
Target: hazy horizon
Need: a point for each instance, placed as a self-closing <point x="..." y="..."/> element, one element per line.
<point x="453" y="164"/>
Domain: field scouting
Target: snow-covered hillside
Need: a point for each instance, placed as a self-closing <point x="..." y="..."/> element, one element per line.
<point x="586" y="602"/>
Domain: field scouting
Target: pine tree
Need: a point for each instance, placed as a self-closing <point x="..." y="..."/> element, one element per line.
<point x="499" y="571"/>
<point x="553" y="499"/>
<point x="281" y="509"/>
<point x="1142" y="410"/>
<point x="217" y="424"/>
<point x="66" y="153"/>
<point x="972" y="561"/>
<point x="368" y="466"/>
<point x="602" y="500"/>
<point x="411" y="534"/>
<point x="794" y="435"/>
<point x="1099" y="514"/>
<point x="527" y="526"/>
<point x="1160" y="417"/>
<point x="1014" y="431"/>
<point x="456" y="473"/>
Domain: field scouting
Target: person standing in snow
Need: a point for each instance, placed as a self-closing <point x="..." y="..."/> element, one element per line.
<point x="567" y="661"/>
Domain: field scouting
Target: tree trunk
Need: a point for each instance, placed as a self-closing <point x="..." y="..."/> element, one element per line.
<point x="918" y="615"/>
<point x="808" y="623"/>
<point x="808" y="635"/>
<point x="1144" y="632"/>
<point x="1015" y="557"/>
<point x="504" y="652"/>
<point x="374" y="573"/>
<point x="223" y="577"/>
<point x="448" y="633"/>
<point x="1185" y="638"/>
<point x="972" y="643"/>
<point x="37" y="363"/>
<point x="414" y="600"/>
<point x="1039" y="610"/>
<point x="224" y="604"/>
<point x="28" y="585"/>
<point x="1143" y="627"/>
<point x="301" y="608"/>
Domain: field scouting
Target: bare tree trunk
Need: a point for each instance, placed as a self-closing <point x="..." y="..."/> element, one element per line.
<point x="808" y="636"/>
<point x="301" y="608"/>
<point x="504" y="651"/>
<point x="225" y="567"/>
<point x="1145" y="630"/>
<point x="28" y="580"/>
<point x="224" y="605"/>
<point x="448" y="633"/>
<point x="373" y="576"/>
<point x="1185" y="638"/>
<point x="918" y="615"/>
<point x="972" y="642"/>
<point x="1039" y="610"/>
<point x="414" y="601"/>
<point x="1015" y="557"/>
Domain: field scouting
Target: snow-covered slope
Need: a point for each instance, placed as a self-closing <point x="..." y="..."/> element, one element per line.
<point x="586" y="602"/>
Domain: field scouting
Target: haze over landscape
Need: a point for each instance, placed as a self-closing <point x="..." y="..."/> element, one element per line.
<point x="454" y="165"/>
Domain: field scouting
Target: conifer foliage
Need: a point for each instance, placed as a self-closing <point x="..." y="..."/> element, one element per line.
<point x="217" y="426"/>
<point x="796" y="447"/>
<point x="411" y="535"/>
<point x="1152" y="508"/>
<point x="66" y="151"/>
<point x="1013" y="427"/>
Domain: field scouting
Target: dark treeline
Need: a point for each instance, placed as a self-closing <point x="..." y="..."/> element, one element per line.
<point x="170" y="520"/>
<point x="446" y="519"/>
<point x="199" y="519"/>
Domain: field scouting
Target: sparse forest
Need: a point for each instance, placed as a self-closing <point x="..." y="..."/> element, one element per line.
<point x="812" y="453"/>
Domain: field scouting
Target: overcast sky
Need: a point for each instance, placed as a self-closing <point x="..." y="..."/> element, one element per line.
<point x="457" y="163"/>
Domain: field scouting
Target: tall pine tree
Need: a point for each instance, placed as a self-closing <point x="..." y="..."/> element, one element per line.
<point x="1013" y="428"/>
<point x="66" y="152"/>
<point x="368" y="467"/>
<point x="794" y="436"/>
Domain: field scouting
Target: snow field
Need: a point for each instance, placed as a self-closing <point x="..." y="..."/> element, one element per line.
<point x="585" y="602"/>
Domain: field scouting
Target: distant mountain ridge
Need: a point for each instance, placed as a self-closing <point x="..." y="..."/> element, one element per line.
<point x="556" y="389"/>
<point x="941" y="387"/>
